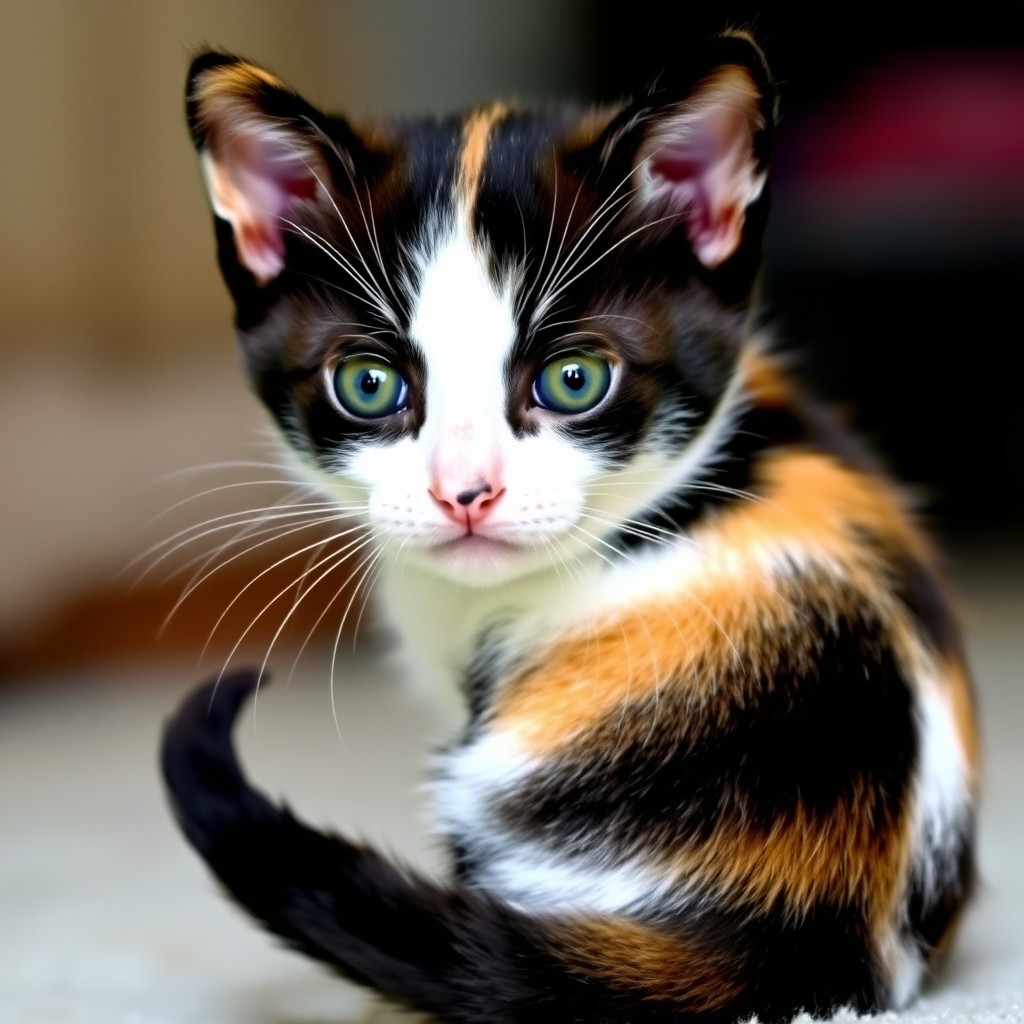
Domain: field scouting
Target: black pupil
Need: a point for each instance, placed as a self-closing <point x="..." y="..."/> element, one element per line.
<point x="573" y="378"/>
<point x="371" y="382"/>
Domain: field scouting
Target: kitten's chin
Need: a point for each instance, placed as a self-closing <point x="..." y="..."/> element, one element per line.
<point x="478" y="561"/>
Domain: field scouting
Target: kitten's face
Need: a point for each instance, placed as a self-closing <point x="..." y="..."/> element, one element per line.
<point x="503" y="335"/>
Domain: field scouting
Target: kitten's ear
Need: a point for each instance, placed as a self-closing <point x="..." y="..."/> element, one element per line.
<point x="699" y="148"/>
<point x="262" y="151"/>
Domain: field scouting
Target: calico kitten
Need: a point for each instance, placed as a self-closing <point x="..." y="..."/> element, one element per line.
<point x="720" y="756"/>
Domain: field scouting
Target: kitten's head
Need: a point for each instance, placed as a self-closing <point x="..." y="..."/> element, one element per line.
<point x="507" y="332"/>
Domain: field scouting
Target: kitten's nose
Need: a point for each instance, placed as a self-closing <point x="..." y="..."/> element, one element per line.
<point x="467" y="497"/>
<point x="466" y="506"/>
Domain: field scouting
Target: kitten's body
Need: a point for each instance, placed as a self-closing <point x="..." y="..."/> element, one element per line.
<point x="720" y="755"/>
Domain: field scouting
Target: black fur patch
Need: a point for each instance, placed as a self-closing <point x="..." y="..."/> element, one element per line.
<point x="933" y="908"/>
<point x="734" y="475"/>
<point x="918" y="587"/>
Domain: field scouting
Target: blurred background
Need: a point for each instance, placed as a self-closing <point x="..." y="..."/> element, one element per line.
<point x="894" y="273"/>
<point x="894" y="261"/>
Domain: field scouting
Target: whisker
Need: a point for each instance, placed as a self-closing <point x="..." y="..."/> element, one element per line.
<point x="299" y="599"/>
<point x="270" y="604"/>
<point x="252" y="528"/>
<point x="600" y="316"/>
<point x="377" y="290"/>
<point x="277" y="535"/>
<point x="256" y="579"/>
<point x="555" y="262"/>
<point x="603" y="217"/>
<point x="687" y="595"/>
<point x="368" y="561"/>
<point x="607" y="211"/>
<point x="336" y="558"/>
<point x="376" y="244"/>
<point x="366" y="598"/>
<point x="622" y="241"/>
<point x="227" y="521"/>
<point x="551" y="227"/>
<point x="375" y="300"/>
<point x="226" y="464"/>
<point x="319" y="619"/>
<point x="231" y="486"/>
<point x="665" y="536"/>
<point x="623" y="527"/>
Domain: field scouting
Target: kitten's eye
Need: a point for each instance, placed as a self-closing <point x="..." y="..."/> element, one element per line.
<point x="369" y="388"/>
<point x="572" y="383"/>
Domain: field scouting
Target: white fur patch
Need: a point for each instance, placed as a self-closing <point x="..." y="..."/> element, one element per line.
<point x="529" y="875"/>
<point x="943" y="794"/>
<point x="466" y="328"/>
<point x="476" y="775"/>
<point x="538" y="881"/>
<point x="906" y="968"/>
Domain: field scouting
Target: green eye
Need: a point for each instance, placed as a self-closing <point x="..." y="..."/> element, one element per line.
<point x="572" y="383"/>
<point x="369" y="388"/>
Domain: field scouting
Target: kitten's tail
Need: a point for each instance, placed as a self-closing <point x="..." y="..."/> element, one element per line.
<point x="445" y="950"/>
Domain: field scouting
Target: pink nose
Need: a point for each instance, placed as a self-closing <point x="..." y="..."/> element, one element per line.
<point x="469" y="506"/>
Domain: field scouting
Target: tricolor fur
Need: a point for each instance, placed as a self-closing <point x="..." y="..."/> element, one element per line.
<point x="720" y="755"/>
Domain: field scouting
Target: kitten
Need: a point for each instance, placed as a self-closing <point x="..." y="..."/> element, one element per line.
<point x="720" y="756"/>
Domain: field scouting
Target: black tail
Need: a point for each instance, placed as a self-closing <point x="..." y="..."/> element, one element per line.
<point x="451" y="952"/>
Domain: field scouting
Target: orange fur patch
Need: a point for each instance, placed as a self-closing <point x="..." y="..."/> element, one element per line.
<point x="809" y="504"/>
<point x="588" y="129"/>
<point x="964" y="717"/>
<point x="763" y="380"/>
<point x="630" y="656"/>
<point x="660" y="966"/>
<point x="732" y="604"/>
<point x="233" y="81"/>
<point x="802" y="861"/>
<point x="475" y="133"/>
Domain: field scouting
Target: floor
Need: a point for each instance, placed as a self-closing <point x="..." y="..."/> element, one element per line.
<point x="105" y="915"/>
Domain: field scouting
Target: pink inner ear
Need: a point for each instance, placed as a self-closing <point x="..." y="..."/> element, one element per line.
<point x="704" y="182"/>
<point x="302" y="188"/>
<point x="678" y="175"/>
<point x="701" y="166"/>
<point x="280" y="167"/>
<point x="253" y="183"/>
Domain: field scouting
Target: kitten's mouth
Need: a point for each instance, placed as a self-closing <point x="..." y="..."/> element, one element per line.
<point x="471" y="542"/>
<point x="472" y="553"/>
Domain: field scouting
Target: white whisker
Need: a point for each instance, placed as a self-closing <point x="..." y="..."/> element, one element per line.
<point x="276" y="535"/>
<point x="227" y="521"/>
<point x="377" y="289"/>
<point x="377" y="301"/>
<point x="622" y="241"/>
<point x="300" y="487"/>
<point x="258" y="577"/>
<point x="603" y="217"/>
<point x="368" y="561"/>
<point x="598" y="316"/>
<point x="299" y="599"/>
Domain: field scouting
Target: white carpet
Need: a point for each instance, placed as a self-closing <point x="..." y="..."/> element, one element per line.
<point x="107" y="918"/>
